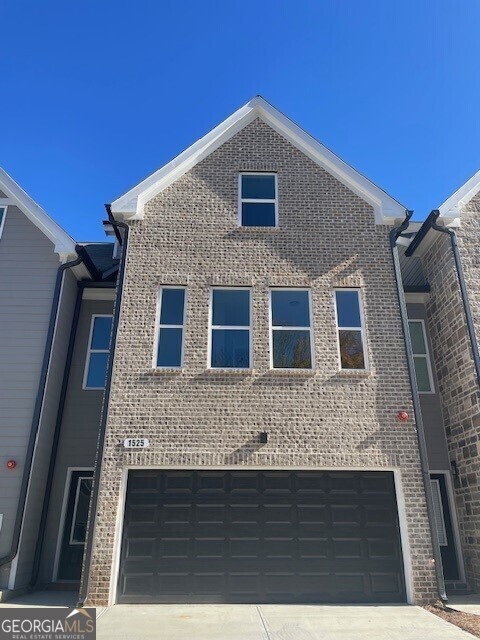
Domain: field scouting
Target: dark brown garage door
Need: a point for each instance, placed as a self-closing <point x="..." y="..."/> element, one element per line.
<point x="260" y="536"/>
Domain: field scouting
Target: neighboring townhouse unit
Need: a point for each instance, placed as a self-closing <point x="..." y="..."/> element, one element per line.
<point x="259" y="442"/>
<point x="451" y="311"/>
<point x="56" y="301"/>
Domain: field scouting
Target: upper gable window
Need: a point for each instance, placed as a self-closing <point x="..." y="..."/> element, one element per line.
<point x="258" y="206"/>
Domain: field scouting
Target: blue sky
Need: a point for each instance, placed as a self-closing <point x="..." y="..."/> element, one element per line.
<point x="95" y="95"/>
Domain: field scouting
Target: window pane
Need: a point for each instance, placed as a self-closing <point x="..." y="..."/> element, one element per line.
<point x="97" y="370"/>
<point x="258" y="186"/>
<point x="351" y="350"/>
<point x="290" y="309"/>
<point x="230" y="348"/>
<point x="421" y="373"/>
<point x="231" y="307"/>
<point x="101" y="333"/>
<point x="173" y="301"/>
<point x="169" y="348"/>
<point x="81" y="513"/>
<point x="261" y="214"/>
<point x="418" y="340"/>
<point x="291" y="350"/>
<point x="348" y="309"/>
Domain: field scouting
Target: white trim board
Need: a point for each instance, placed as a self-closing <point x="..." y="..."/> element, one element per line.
<point x="64" y="245"/>
<point x="131" y="204"/>
<point x="451" y="209"/>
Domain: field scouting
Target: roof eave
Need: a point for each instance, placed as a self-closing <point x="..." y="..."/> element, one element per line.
<point x="63" y="244"/>
<point x="451" y="209"/>
<point x="130" y="206"/>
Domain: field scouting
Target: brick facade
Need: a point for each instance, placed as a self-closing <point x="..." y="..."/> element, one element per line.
<point x="330" y="419"/>
<point x="456" y="372"/>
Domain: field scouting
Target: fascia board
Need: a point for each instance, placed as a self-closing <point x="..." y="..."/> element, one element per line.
<point x="64" y="245"/>
<point x="130" y="206"/>
<point x="451" y="209"/>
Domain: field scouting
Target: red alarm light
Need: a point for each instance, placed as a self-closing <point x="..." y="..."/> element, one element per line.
<point x="11" y="464"/>
<point x="402" y="416"/>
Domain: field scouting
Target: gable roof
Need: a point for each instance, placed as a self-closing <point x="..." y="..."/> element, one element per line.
<point x="452" y="207"/>
<point x="64" y="245"/>
<point x="131" y="204"/>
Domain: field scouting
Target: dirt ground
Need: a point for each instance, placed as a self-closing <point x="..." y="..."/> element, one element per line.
<point x="466" y="621"/>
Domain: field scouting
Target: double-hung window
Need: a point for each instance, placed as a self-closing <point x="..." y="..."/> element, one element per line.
<point x="291" y="330"/>
<point x="351" y="330"/>
<point x="258" y="205"/>
<point x="421" y="357"/>
<point x="171" y="328"/>
<point x="231" y="324"/>
<point x="3" y="215"/>
<point x="97" y="353"/>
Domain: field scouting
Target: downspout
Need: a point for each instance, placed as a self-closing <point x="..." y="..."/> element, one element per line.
<point x="37" y="412"/>
<point x="422" y="445"/>
<point x="92" y="518"/>
<point x="56" y="439"/>
<point x="463" y="289"/>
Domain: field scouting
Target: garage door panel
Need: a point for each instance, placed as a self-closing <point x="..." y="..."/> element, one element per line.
<point x="254" y="536"/>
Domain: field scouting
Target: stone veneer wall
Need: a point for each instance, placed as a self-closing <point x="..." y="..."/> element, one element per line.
<point x="456" y="373"/>
<point x="327" y="238"/>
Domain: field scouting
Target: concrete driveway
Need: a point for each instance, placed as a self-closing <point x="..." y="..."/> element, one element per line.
<point x="272" y="622"/>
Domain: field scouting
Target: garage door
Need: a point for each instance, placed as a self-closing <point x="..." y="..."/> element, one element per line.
<point x="260" y="536"/>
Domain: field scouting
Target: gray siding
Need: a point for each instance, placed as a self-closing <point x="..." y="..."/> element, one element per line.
<point x="430" y="403"/>
<point x="28" y="268"/>
<point x="41" y="460"/>
<point x="78" y="440"/>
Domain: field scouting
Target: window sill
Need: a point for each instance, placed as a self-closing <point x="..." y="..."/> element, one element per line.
<point x="292" y="372"/>
<point x="167" y="370"/>
<point x="229" y="371"/>
<point x="354" y="373"/>
<point x="258" y="229"/>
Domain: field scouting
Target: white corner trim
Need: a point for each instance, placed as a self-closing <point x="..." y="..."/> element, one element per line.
<point x="64" y="245"/>
<point x="131" y="204"/>
<point x="452" y="207"/>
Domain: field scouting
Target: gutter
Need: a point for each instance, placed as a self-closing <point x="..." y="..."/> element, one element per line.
<point x="92" y="516"/>
<point x="422" y="445"/>
<point x="431" y="223"/>
<point x="88" y="262"/>
<point x="37" y="413"/>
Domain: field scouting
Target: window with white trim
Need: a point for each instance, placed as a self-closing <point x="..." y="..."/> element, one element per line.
<point x="171" y="328"/>
<point x="290" y="329"/>
<point x="78" y="529"/>
<point x="350" y="329"/>
<point x="231" y="328"/>
<point x="258" y="203"/>
<point x="3" y="215"/>
<point x="97" y="353"/>
<point x="421" y="356"/>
